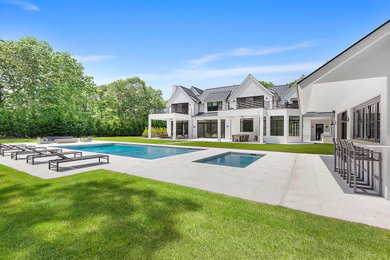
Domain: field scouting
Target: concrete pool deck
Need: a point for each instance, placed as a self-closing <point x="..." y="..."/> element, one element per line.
<point x="298" y="181"/>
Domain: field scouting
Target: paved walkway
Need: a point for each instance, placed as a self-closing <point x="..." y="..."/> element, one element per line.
<point x="297" y="181"/>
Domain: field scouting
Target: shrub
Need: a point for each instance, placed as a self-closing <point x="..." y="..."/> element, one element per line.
<point x="156" y="131"/>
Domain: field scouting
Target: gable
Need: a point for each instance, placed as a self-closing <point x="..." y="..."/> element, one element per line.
<point x="251" y="87"/>
<point x="179" y="96"/>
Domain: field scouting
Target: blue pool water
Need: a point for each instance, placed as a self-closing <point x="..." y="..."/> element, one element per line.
<point x="132" y="150"/>
<point x="240" y="160"/>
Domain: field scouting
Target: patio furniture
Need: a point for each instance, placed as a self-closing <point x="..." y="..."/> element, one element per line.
<point x="31" y="158"/>
<point x="245" y="138"/>
<point x="52" y="139"/>
<point x="88" y="139"/>
<point x="54" y="164"/>
<point x="13" y="148"/>
<point x="360" y="167"/>
<point x="66" y="140"/>
<point x="235" y="138"/>
<point x="31" y="150"/>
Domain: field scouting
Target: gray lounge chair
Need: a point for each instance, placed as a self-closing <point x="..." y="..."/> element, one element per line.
<point x="31" y="150"/>
<point x="12" y="148"/>
<point x="49" y="153"/>
<point x="55" y="164"/>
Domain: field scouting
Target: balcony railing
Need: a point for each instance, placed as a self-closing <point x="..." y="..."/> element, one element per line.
<point x="169" y="111"/>
<point x="264" y="104"/>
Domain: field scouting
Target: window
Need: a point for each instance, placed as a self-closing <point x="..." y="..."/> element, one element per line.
<point x="181" y="108"/>
<point x="366" y="121"/>
<point x="277" y="125"/>
<point x="214" y="106"/>
<point x="209" y="128"/>
<point x="293" y="125"/>
<point x="246" y="125"/>
<point x="250" y="102"/>
<point x="265" y="126"/>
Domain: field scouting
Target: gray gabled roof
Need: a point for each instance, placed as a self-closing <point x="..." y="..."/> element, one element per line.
<point x="279" y="90"/>
<point x="190" y="93"/>
<point x="197" y="91"/>
<point x="217" y="94"/>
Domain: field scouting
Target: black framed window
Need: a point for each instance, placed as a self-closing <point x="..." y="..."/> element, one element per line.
<point x="246" y="125"/>
<point x="366" y="121"/>
<point x="265" y="126"/>
<point x="181" y="108"/>
<point x="214" y="106"/>
<point x="277" y="125"/>
<point x="209" y="128"/>
<point x="293" y="125"/>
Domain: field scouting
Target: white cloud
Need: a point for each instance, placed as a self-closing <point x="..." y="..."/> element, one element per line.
<point x="239" y="52"/>
<point x="93" y="58"/>
<point x="204" y="73"/>
<point x="22" y="4"/>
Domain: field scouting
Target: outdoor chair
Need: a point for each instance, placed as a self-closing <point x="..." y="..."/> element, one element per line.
<point x="31" y="150"/>
<point x="49" y="153"/>
<point x="55" y="164"/>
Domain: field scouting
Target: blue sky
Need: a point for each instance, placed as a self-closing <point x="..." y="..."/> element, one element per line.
<point x="201" y="43"/>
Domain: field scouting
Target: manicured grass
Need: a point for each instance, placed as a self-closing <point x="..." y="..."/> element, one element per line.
<point x="288" y="148"/>
<point x="17" y="140"/>
<point x="107" y="215"/>
<point x="135" y="139"/>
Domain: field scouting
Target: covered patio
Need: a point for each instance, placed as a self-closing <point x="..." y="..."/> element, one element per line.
<point x="173" y="121"/>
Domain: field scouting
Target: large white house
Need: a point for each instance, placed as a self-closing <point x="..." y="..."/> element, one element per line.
<point x="356" y="85"/>
<point x="265" y="114"/>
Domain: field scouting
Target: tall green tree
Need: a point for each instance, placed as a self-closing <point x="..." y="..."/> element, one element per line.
<point x="42" y="91"/>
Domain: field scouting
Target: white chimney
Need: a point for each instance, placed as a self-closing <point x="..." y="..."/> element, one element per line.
<point x="174" y="87"/>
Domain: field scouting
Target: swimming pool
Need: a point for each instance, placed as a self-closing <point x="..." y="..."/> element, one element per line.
<point x="132" y="150"/>
<point x="240" y="160"/>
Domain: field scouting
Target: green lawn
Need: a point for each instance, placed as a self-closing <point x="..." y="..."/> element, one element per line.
<point x="107" y="215"/>
<point x="18" y="140"/>
<point x="288" y="148"/>
<point x="135" y="139"/>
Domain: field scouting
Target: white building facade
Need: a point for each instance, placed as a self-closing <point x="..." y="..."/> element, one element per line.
<point x="263" y="114"/>
<point x="356" y="86"/>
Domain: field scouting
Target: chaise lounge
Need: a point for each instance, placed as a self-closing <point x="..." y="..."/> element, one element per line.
<point x="54" y="164"/>
<point x="31" y="150"/>
<point x="49" y="153"/>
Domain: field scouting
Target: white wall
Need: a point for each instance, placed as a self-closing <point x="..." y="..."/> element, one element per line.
<point x="249" y="88"/>
<point x="180" y="97"/>
<point x="309" y="130"/>
<point x="286" y="113"/>
<point x="356" y="76"/>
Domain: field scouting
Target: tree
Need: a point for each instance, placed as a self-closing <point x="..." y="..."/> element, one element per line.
<point x="292" y="83"/>
<point x="266" y="84"/>
<point x="41" y="89"/>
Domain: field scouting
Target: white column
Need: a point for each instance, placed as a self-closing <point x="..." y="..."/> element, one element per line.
<point x="169" y="130"/>
<point x="285" y="127"/>
<point x="190" y="128"/>
<point x="219" y="129"/>
<point x="261" y="127"/>
<point x="174" y="129"/>
<point x="149" y="128"/>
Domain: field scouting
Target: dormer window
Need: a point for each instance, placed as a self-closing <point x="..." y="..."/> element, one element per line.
<point x="214" y="106"/>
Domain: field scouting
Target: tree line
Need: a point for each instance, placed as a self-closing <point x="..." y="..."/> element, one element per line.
<point x="45" y="93"/>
